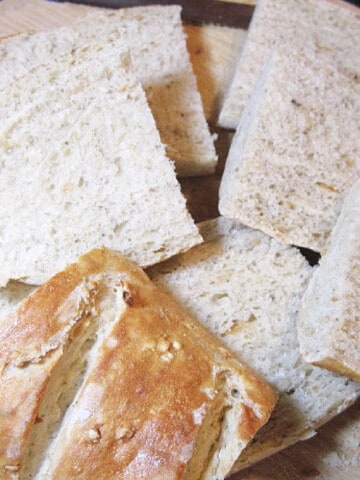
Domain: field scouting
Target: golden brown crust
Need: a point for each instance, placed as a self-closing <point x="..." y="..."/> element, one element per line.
<point x="136" y="411"/>
<point x="144" y="426"/>
<point x="143" y="421"/>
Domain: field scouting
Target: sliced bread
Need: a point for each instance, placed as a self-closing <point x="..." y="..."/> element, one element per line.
<point x="246" y="288"/>
<point x="331" y="32"/>
<point x="82" y="166"/>
<point x="156" y="40"/>
<point x="328" y="322"/>
<point x="104" y="376"/>
<point x="296" y="151"/>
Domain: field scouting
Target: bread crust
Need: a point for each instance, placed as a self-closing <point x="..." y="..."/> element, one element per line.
<point x="157" y="369"/>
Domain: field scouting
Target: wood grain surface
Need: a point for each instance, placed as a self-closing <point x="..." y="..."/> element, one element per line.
<point x="334" y="453"/>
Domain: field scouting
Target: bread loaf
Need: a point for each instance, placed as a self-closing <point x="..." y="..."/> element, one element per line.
<point x="331" y="32"/>
<point x="103" y="375"/>
<point x="155" y="38"/>
<point x="328" y="322"/>
<point x="246" y="288"/>
<point x="296" y="151"/>
<point x="83" y="166"/>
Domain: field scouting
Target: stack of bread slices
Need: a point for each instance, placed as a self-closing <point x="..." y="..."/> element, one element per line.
<point x="232" y="345"/>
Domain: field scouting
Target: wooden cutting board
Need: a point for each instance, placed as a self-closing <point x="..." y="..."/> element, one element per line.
<point x="334" y="453"/>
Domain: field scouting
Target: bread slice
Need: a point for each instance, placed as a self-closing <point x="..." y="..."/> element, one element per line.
<point x="246" y="288"/>
<point x="296" y="151"/>
<point x="155" y="37"/>
<point x="329" y="30"/>
<point x="83" y="166"/>
<point x="328" y="322"/>
<point x="150" y="393"/>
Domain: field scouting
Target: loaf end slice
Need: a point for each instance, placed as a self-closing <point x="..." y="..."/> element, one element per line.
<point x="330" y="30"/>
<point x="149" y="391"/>
<point x="83" y="166"/>
<point x="296" y="151"/>
<point x="246" y="288"/>
<point x="328" y="322"/>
